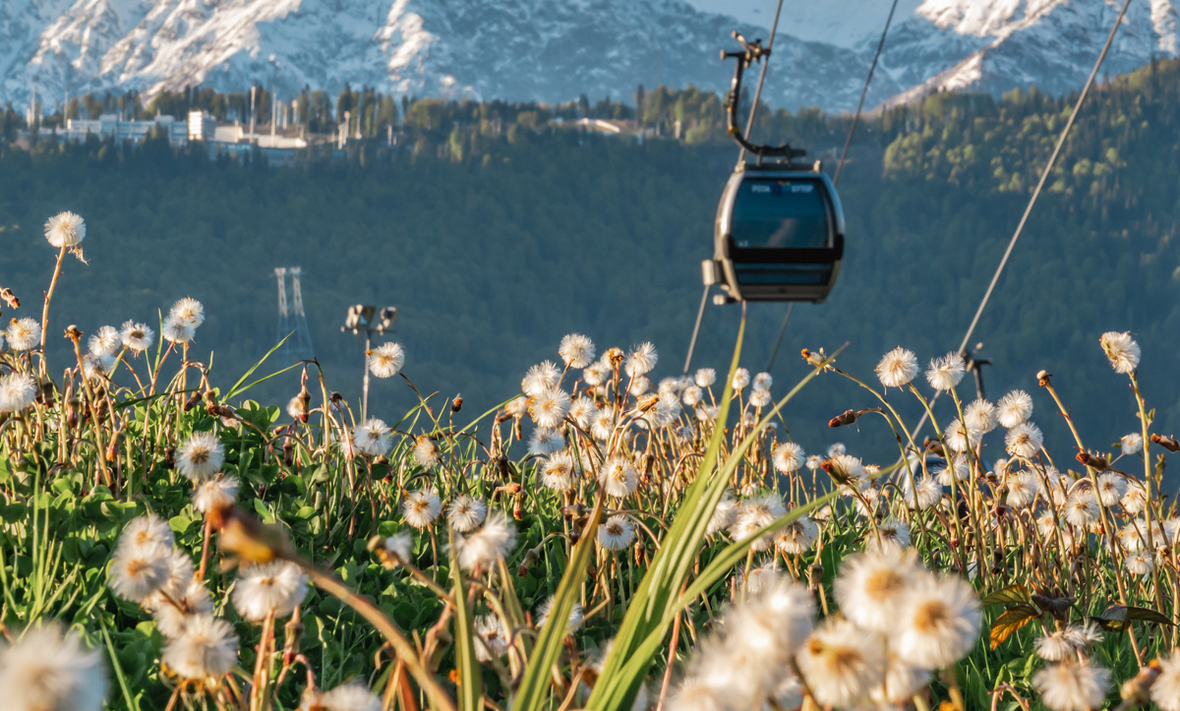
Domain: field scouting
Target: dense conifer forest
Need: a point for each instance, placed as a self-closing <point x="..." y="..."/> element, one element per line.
<point x="496" y="231"/>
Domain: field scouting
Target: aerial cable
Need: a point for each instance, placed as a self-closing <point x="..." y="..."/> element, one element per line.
<point x="1036" y="193"/>
<point x="864" y="92"/>
<point x="782" y="329"/>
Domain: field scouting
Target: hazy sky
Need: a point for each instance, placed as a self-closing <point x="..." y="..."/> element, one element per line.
<point x="837" y="21"/>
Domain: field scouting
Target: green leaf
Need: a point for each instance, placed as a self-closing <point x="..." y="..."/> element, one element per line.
<point x="470" y="681"/>
<point x="534" y="685"/>
<point x="234" y="390"/>
<point x="1011" y="595"/>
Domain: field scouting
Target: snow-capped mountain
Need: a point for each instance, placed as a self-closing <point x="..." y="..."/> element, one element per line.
<point x="554" y="51"/>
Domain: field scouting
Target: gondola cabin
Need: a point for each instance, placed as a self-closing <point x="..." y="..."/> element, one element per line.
<point x="779" y="234"/>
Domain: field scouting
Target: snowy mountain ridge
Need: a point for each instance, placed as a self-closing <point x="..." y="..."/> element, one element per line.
<point x="554" y="51"/>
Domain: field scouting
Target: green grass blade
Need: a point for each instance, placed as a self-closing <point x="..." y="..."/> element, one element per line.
<point x="534" y="685"/>
<point x="672" y="562"/>
<point x="470" y="682"/>
<point x="131" y="703"/>
<point x="265" y="378"/>
<point x="234" y="390"/>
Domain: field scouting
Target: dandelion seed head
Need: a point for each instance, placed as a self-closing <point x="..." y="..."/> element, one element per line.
<point x="945" y="373"/>
<point x="466" y="512"/>
<point x="65" y="230"/>
<point x="618" y="476"/>
<point x="48" y="668"/>
<point x="105" y="341"/>
<point x="273" y="588"/>
<point x="741" y="378"/>
<point x="574" y="622"/>
<point x="353" y="696"/>
<point x="139" y="571"/>
<point x="200" y="456"/>
<point x="576" y="350"/>
<point x="1122" y="351"/>
<point x="1111" y="488"/>
<point x="723" y="515"/>
<point x="704" y="377"/>
<point x="545" y="442"/>
<point x="872" y="586"/>
<point x="841" y="663"/>
<point x="137" y="337"/>
<point x="558" y="472"/>
<point x="549" y="407"/>
<point x="386" y="360"/>
<point x="1024" y="440"/>
<point x="939" y="622"/>
<point x="581" y="411"/>
<point x="763" y="381"/>
<point x="981" y="415"/>
<point x="616" y="533"/>
<point x="1131" y="443"/>
<point x="421" y="508"/>
<point x="797" y="536"/>
<point x="641" y="360"/>
<point x="176" y="332"/>
<point x="371" y="438"/>
<point x="17" y="392"/>
<point x="491" y="637"/>
<point x="493" y="542"/>
<point x="401" y="546"/>
<point x="1165" y="692"/>
<point x="207" y="649"/>
<point x="897" y="368"/>
<point x="23" y="334"/>
<point x="1014" y="409"/>
<point x="188" y="312"/>
<point x="961" y="438"/>
<point x="539" y="378"/>
<point x="1072" y="686"/>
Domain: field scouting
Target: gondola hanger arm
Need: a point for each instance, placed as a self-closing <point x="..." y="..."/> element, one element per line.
<point x="750" y="53"/>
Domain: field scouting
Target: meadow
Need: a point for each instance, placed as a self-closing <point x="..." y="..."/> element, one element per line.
<point x="596" y="540"/>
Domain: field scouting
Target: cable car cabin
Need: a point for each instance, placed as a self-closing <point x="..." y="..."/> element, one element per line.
<point x="779" y="234"/>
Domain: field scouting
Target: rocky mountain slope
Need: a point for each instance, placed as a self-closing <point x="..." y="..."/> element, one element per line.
<point x="554" y="51"/>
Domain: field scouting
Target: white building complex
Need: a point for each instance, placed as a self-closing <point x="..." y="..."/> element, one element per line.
<point x="109" y="126"/>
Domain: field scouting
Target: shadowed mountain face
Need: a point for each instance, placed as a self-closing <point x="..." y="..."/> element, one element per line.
<point x="540" y="50"/>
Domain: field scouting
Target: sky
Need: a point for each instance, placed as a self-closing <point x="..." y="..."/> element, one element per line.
<point x="840" y="22"/>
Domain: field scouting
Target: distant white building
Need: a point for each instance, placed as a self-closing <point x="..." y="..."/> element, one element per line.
<point x="202" y="126"/>
<point x="109" y="126"/>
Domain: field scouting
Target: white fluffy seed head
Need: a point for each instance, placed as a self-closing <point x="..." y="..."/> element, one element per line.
<point x="616" y="533"/>
<point x="188" y="312"/>
<point x="618" y="476"/>
<point x="65" y="230"/>
<point x="872" y="587"/>
<point x="1014" y="409"/>
<point x="207" y="649"/>
<point x="490" y="544"/>
<point x="788" y="457"/>
<point x="23" y="334"/>
<point x="539" y="378"/>
<point x="576" y="350"/>
<point x="139" y="571"/>
<point x="1131" y="443"/>
<point x="841" y="662"/>
<point x="466" y="512"/>
<point x="1024" y="440"/>
<point x="17" y="392"/>
<point x="641" y="360"/>
<point x="938" y="623"/>
<point x="421" y="508"/>
<point x="549" y="407"/>
<point x="981" y="415"/>
<point x="273" y="588"/>
<point x="200" y="456"/>
<point x="137" y="337"/>
<point x="1072" y="686"/>
<point x="48" y="668"/>
<point x="946" y="372"/>
<point x="897" y="368"/>
<point x="1165" y="692"/>
<point x="386" y="360"/>
<point x="1122" y="351"/>
<point x="174" y="331"/>
<point x="215" y="493"/>
<point x="105" y="341"/>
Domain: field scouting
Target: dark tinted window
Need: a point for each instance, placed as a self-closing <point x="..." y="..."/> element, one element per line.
<point x="780" y="212"/>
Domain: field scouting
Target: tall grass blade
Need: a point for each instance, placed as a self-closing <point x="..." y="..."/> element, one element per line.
<point x="470" y="682"/>
<point x="234" y="390"/>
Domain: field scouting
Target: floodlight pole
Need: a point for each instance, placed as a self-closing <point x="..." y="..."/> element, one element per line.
<point x="365" y="387"/>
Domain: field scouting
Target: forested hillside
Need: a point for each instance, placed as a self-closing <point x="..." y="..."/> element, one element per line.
<point x="496" y="234"/>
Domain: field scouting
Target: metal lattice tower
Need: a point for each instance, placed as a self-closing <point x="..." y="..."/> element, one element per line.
<point x="292" y="320"/>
